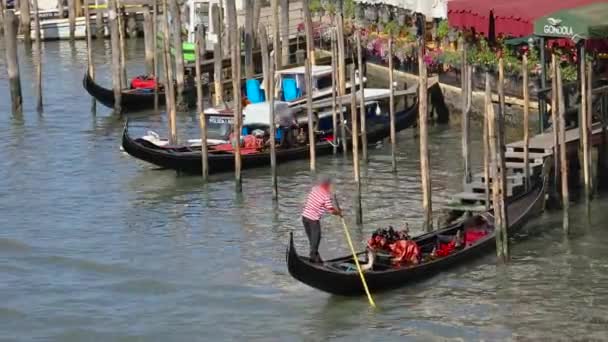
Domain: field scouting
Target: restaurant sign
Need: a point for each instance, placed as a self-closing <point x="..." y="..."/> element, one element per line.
<point x="554" y="27"/>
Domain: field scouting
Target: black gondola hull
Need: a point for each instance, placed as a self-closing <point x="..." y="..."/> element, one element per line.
<point x="131" y="102"/>
<point x="342" y="283"/>
<point x="191" y="162"/>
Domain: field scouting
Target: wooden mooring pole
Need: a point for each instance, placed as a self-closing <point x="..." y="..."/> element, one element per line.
<point x="149" y="41"/>
<point x="502" y="180"/>
<point x="99" y="26"/>
<point x="341" y="87"/>
<point x="276" y="38"/>
<point x="235" y="40"/>
<point x="202" y="120"/>
<point x="584" y="137"/>
<point x="60" y="9"/>
<point x="555" y="123"/>
<point x="334" y="91"/>
<point x="584" y="123"/>
<point x="90" y="63"/>
<point x="563" y="151"/>
<point x="465" y="75"/>
<point x="71" y="18"/>
<point x="263" y="38"/>
<point x="24" y="10"/>
<point x="238" y="107"/>
<point x="487" y="160"/>
<point x="248" y="38"/>
<point x="176" y="28"/>
<point x="2" y="7"/>
<point x="423" y="121"/>
<point x="284" y="33"/>
<point x="341" y="49"/>
<point x="169" y="88"/>
<point x="12" y="61"/>
<point x="310" y="47"/>
<point x="363" y="121"/>
<point x="311" y="123"/>
<point x="38" y="57"/>
<point x="123" y="49"/>
<point x="217" y="55"/>
<point x="154" y="55"/>
<point x="493" y="142"/>
<point x="391" y="103"/>
<point x="273" y="147"/>
<point x="355" y="139"/>
<point x="589" y="122"/>
<point x="524" y="70"/>
<point x="115" y="46"/>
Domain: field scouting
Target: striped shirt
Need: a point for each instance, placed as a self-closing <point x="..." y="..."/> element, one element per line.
<point x="319" y="201"/>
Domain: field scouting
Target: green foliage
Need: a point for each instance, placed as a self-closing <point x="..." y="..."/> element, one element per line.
<point x="451" y="58"/>
<point x="315" y="6"/>
<point x="512" y="64"/>
<point x="483" y="56"/>
<point x="569" y="72"/>
<point x="392" y="28"/>
<point x="443" y="29"/>
<point x="348" y="9"/>
<point x="330" y="8"/>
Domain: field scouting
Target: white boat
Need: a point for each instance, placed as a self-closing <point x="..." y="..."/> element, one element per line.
<point x="59" y="28"/>
<point x="321" y="78"/>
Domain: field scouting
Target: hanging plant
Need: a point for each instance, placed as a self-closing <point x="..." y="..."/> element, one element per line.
<point x="391" y="28"/>
<point x="385" y="14"/>
<point x="371" y="13"/>
<point x="442" y="29"/>
<point x="348" y="8"/>
<point x="359" y="12"/>
<point x="401" y="17"/>
<point x="315" y="6"/>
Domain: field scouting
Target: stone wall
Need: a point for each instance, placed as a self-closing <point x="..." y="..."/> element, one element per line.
<point x="452" y="96"/>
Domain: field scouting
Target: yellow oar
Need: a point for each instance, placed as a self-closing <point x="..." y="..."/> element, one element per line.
<point x="352" y="249"/>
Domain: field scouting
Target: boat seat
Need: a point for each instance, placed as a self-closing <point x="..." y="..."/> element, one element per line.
<point x="254" y="91"/>
<point x="290" y="90"/>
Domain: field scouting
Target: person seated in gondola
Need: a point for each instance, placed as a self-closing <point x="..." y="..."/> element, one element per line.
<point x="286" y="123"/>
<point x="401" y="249"/>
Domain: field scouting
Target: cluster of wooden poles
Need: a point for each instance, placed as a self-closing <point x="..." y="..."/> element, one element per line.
<point x="494" y="142"/>
<point x="9" y="20"/>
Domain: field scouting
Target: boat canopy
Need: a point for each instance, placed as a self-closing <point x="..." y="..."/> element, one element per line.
<point x="585" y="22"/>
<point x="316" y="70"/>
<point x="511" y="18"/>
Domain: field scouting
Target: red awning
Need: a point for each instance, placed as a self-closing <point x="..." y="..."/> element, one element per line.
<point x="512" y="18"/>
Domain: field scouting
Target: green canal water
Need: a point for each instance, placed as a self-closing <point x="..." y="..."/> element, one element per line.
<point x="97" y="246"/>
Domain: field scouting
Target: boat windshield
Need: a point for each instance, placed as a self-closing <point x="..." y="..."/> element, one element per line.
<point x="219" y="127"/>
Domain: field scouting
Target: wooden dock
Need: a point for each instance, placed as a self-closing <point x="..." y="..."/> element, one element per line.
<point x="473" y="197"/>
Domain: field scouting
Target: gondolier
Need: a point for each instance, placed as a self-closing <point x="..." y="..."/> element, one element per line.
<point x="318" y="202"/>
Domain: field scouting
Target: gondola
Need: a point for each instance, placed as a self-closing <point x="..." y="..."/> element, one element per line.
<point x="132" y="99"/>
<point x="188" y="159"/>
<point x="339" y="277"/>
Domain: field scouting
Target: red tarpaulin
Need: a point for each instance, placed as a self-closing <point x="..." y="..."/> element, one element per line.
<point x="511" y="18"/>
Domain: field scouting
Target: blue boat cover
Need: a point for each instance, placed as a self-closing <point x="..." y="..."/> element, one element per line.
<point x="290" y="90"/>
<point x="254" y="93"/>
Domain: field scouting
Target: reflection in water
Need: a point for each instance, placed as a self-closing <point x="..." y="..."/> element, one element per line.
<point x="97" y="245"/>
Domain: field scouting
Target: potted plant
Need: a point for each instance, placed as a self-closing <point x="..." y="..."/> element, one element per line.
<point x="442" y="32"/>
